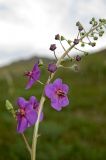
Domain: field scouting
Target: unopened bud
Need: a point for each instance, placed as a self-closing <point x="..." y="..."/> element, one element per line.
<point x="69" y="42"/>
<point x="80" y="28"/>
<point x="76" y="41"/>
<point x="82" y="44"/>
<point x="95" y="38"/>
<point x="53" y="47"/>
<point x="52" y="67"/>
<point x="78" y="58"/>
<point x="40" y="62"/>
<point x="77" y="23"/>
<point x="93" y="44"/>
<point x="57" y="37"/>
<point x="10" y="108"/>
<point x="75" y="67"/>
<point x="62" y="38"/>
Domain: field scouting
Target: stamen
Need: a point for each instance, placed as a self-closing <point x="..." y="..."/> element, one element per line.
<point x="60" y="93"/>
<point x="22" y="112"/>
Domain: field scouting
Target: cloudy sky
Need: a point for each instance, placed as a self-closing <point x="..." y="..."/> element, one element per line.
<point x="27" y="27"/>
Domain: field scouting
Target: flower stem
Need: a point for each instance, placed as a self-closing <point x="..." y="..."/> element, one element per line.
<point x="42" y="100"/>
<point x="26" y="143"/>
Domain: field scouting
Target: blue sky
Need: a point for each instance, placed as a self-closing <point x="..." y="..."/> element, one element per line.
<point x="27" y="27"/>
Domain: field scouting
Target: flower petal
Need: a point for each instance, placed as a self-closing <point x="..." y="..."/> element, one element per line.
<point x="36" y="72"/>
<point x="31" y="115"/>
<point x="21" y="102"/>
<point x="30" y="83"/>
<point x="49" y="91"/>
<point x="22" y="124"/>
<point x="65" y="88"/>
<point x="32" y="100"/>
<point x="35" y="67"/>
<point x="63" y="101"/>
<point x="55" y="104"/>
<point x="36" y="75"/>
<point x="57" y="83"/>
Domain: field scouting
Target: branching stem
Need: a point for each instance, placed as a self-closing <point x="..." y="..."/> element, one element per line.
<point x="42" y="100"/>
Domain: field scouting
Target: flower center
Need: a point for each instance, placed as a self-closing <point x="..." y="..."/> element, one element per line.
<point x="60" y="93"/>
<point x="22" y="112"/>
<point x="29" y="74"/>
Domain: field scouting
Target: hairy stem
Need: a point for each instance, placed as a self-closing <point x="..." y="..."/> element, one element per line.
<point x="42" y="100"/>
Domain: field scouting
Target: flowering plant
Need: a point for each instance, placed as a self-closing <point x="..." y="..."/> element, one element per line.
<point x="30" y="112"/>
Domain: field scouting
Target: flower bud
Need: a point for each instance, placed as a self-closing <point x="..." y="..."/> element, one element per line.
<point x="82" y="44"/>
<point x="93" y="44"/>
<point x="57" y="37"/>
<point x="80" y="28"/>
<point x="75" y="68"/>
<point x="95" y="38"/>
<point x="52" y="67"/>
<point x="10" y="108"/>
<point x="100" y="34"/>
<point x="77" y="23"/>
<point x="82" y="34"/>
<point x="40" y="62"/>
<point x="53" y="47"/>
<point x="62" y="38"/>
<point x="78" y="58"/>
<point x="76" y="41"/>
<point x="69" y="42"/>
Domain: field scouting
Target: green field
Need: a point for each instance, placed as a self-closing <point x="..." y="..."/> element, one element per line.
<point x="78" y="132"/>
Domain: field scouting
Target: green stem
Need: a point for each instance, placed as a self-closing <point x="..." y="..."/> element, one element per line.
<point x="26" y="143"/>
<point x="64" y="48"/>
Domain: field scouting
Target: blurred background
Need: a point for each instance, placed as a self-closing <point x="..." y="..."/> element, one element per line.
<point x="27" y="28"/>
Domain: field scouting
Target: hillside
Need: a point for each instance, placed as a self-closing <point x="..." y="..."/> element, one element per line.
<point x="78" y="132"/>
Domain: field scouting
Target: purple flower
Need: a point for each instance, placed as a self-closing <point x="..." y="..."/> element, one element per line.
<point x="57" y="93"/>
<point x="26" y="115"/>
<point x="33" y="76"/>
<point x="35" y="104"/>
<point x="52" y="67"/>
<point x="53" y="47"/>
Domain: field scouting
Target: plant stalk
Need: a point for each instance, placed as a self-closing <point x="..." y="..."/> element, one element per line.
<point x="42" y="100"/>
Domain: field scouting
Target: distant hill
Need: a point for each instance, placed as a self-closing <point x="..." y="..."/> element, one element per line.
<point x="78" y="132"/>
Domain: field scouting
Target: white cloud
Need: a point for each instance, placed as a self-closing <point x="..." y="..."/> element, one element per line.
<point x="30" y="26"/>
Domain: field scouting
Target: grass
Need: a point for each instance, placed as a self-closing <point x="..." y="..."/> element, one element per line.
<point x="78" y="132"/>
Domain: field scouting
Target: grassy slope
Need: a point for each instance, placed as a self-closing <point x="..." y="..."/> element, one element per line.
<point x="78" y="132"/>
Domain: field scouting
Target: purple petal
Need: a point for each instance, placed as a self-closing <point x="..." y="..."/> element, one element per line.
<point x="30" y="83"/>
<point x="57" y="83"/>
<point x="36" y="72"/>
<point x="32" y="100"/>
<point x="64" y="101"/>
<point x="35" y="67"/>
<point x="22" y="124"/>
<point x="49" y="91"/>
<point x="31" y="115"/>
<point x="21" y="102"/>
<point x="65" y="88"/>
<point x="36" y="75"/>
<point x="55" y="104"/>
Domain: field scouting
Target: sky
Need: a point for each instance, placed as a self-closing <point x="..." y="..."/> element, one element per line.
<point x="27" y="27"/>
